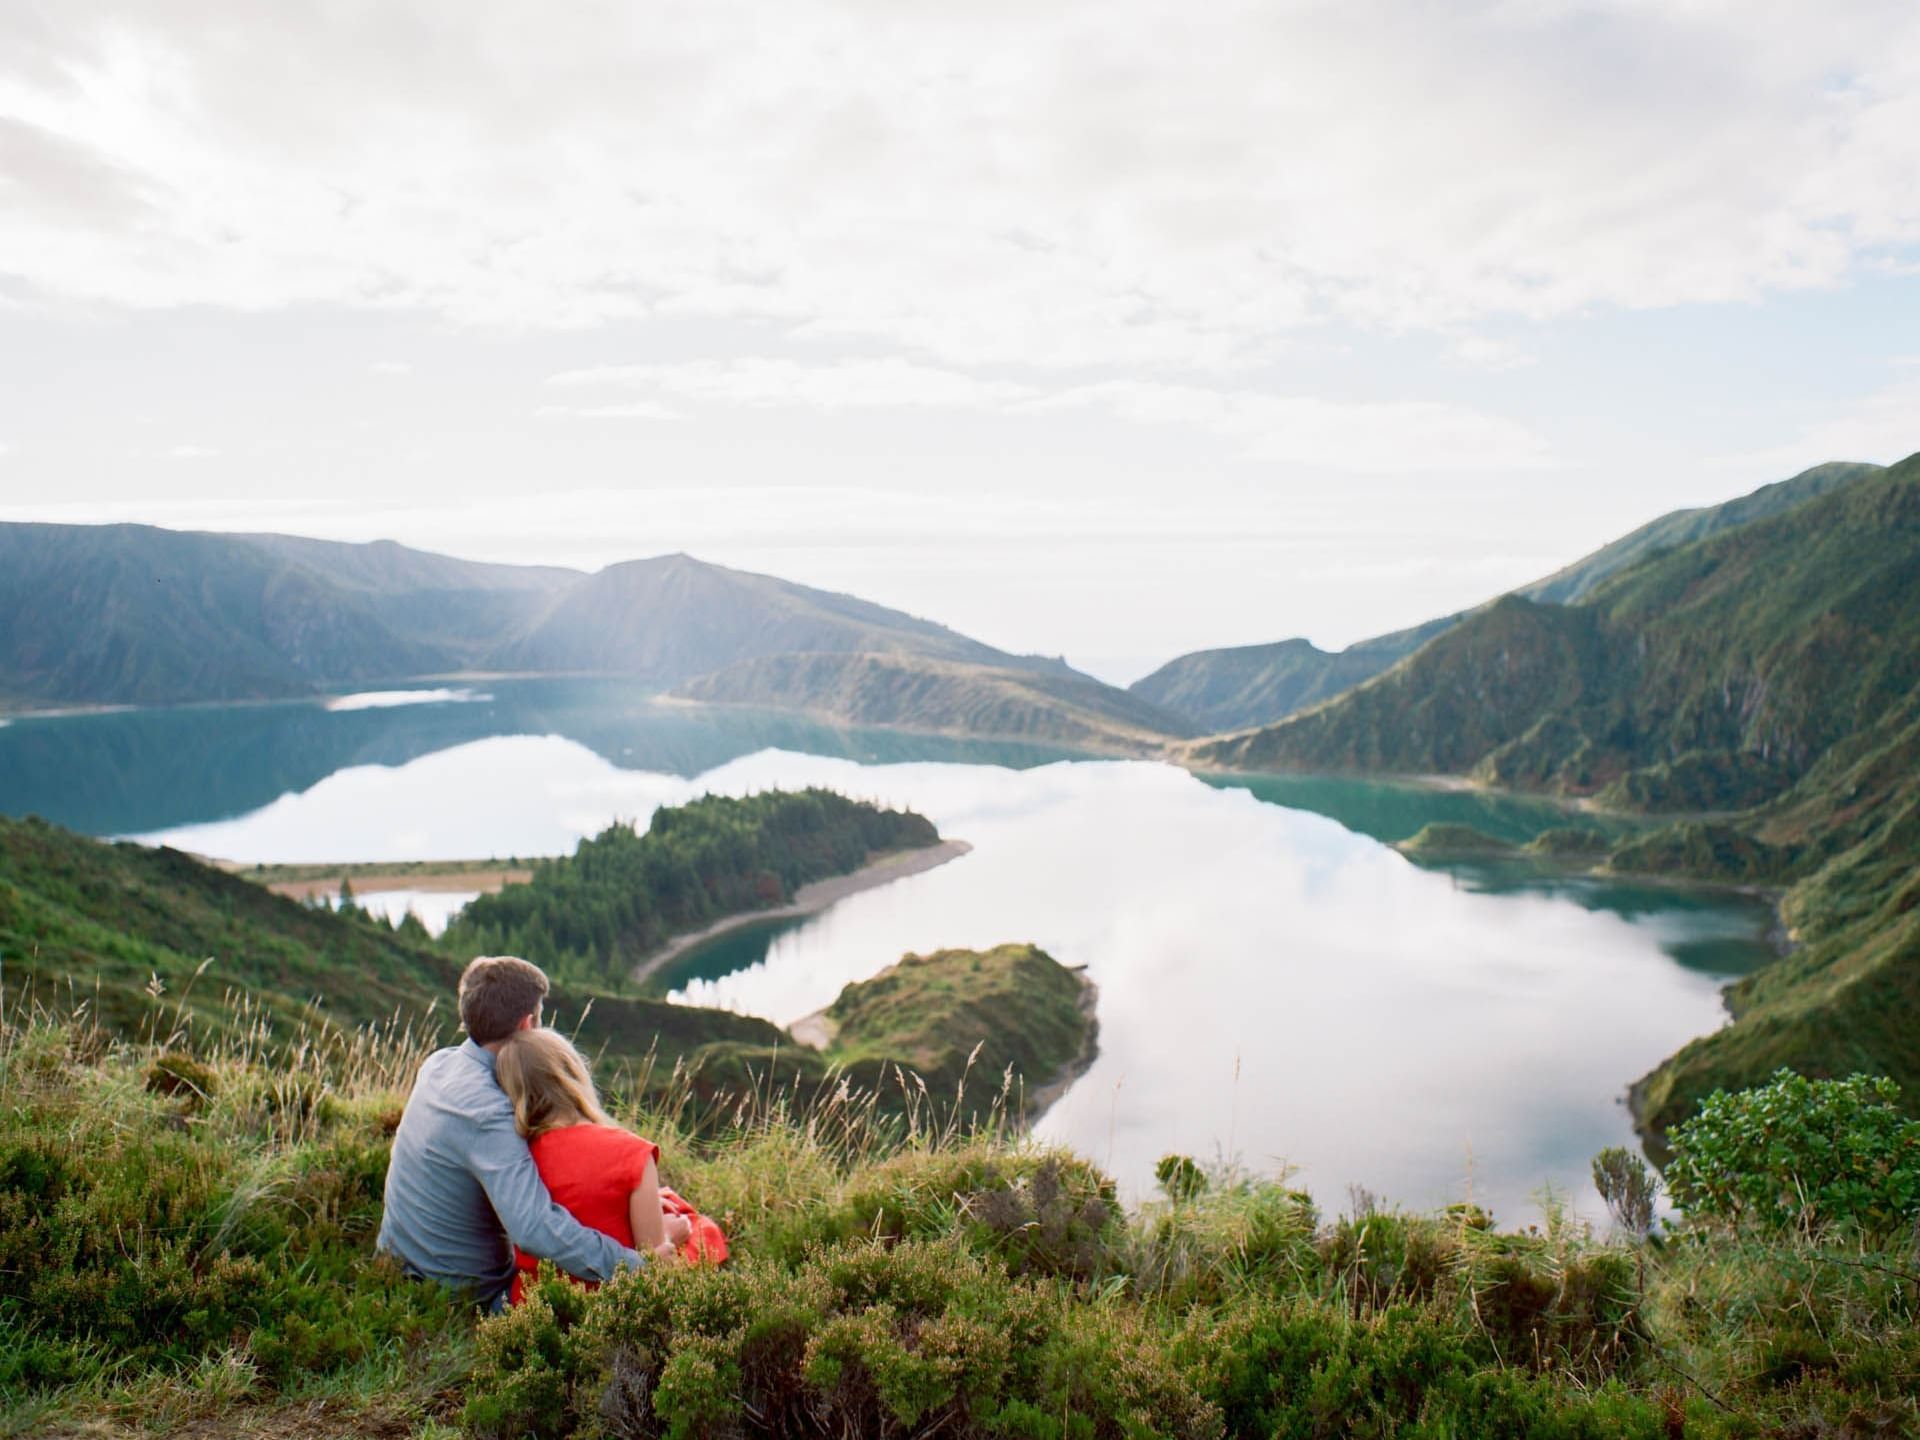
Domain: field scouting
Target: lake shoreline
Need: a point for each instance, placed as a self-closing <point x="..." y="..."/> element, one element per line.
<point x="807" y="900"/>
<point x="374" y="877"/>
<point x="1054" y="1088"/>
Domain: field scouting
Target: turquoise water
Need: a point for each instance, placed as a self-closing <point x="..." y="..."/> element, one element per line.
<point x="1277" y="986"/>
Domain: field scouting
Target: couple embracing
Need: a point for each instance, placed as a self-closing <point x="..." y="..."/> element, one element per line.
<point x="504" y="1157"/>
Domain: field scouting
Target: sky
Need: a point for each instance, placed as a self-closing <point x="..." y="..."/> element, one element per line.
<point x="1108" y="330"/>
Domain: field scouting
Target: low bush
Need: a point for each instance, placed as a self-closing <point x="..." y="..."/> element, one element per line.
<point x="863" y="1338"/>
<point x="1800" y="1153"/>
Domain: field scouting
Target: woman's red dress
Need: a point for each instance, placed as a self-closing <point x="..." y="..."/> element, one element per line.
<point x="591" y="1171"/>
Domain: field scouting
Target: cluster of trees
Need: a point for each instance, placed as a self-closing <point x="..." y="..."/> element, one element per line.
<point x="594" y="914"/>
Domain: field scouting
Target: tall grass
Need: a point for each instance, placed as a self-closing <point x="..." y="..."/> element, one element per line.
<point x="186" y="1222"/>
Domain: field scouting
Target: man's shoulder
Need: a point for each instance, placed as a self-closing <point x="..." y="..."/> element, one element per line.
<point x="454" y="1075"/>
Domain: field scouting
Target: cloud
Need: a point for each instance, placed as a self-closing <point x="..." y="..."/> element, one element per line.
<point x="191" y="452"/>
<point x="762" y="382"/>
<point x="1485" y="353"/>
<point x="1128" y="183"/>
<point x="390" y="367"/>
<point x="1882" y="426"/>
<point x="633" y="410"/>
<point x="1383" y="436"/>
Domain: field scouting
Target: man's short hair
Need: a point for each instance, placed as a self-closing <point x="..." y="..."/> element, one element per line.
<point x="497" y="992"/>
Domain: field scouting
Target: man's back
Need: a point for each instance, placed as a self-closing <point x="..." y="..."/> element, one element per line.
<point x="461" y="1182"/>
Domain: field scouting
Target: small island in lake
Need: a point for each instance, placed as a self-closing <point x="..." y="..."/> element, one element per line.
<point x="967" y="1023"/>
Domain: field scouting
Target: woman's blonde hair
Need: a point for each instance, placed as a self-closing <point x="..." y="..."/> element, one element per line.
<point x="548" y="1082"/>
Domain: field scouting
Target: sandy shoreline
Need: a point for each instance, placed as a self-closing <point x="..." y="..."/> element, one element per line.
<point x="1046" y="1095"/>
<point x="809" y="899"/>
<point x="480" y="882"/>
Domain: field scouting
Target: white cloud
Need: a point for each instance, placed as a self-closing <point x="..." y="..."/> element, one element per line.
<point x="390" y="367"/>
<point x="191" y="452"/>
<point x="1386" y="436"/>
<point x="1883" y="426"/>
<point x="845" y="384"/>
<point x="1113" y="184"/>
<point x="1485" y="353"/>
<point x="633" y="410"/>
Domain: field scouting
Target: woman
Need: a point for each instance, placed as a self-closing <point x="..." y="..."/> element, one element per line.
<point x="607" y="1176"/>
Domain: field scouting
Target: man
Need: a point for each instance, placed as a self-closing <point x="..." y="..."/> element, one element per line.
<point x="461" y="1183"/>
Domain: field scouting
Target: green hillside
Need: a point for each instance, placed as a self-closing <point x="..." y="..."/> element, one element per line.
<point x="946" y="697"/>
<point x="152" y="941"/>
<point x="129" y="614"/>
<point x="1255" y="685"/>
<point x="1766" y="678"/>
<point x="1748" y="654"/>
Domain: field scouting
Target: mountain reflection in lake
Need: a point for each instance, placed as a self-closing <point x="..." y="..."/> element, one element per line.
<point x="1273" y="985"/>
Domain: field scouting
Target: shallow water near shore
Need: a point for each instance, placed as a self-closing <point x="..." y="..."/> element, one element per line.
<point x="1276" y="986"/>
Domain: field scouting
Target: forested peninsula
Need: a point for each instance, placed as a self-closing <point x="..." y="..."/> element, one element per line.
<point x="599" y="912"/>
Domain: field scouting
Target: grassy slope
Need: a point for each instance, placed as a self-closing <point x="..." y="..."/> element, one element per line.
<point x="988" y="1018"/>
<point x="1019" y="1005"/>
<point x="83" y="921"/>
<point x="941" y="695"/>
<point x="200" y="1264"/>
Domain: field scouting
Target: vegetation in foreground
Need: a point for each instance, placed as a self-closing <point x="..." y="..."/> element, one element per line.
<point x="185" y="1249"/>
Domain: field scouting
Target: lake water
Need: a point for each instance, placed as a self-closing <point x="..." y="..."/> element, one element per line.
<point x="1277" y="985"/>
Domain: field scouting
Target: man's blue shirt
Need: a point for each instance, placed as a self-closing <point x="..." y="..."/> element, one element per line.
<point x="462" y="1184"/>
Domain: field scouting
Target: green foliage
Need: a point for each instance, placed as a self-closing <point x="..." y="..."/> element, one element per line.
<point x="1800" y="1153"/>
<point x="1570" y="842"/>
<point x="166" y="949"/>
<point x="860" y="1338"/>
<point x="1180" y="1178"/>
<point x="1035" y="1213"/>
<point x="215" y="1268"/>
<point x="1627" y="1187"/>
<point x="1444" y="841"/>
<point x="597" y="913"/>
<point x="955" y="1015"/>
<point x="130" y="1232"/>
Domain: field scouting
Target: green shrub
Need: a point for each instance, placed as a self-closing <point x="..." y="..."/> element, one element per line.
<point x="1627" y="1187"/>
<point x="175" y="1073"/>
<point x="860" y="1339"/>
<point x="1180" y="1179"/>
<point x="128" y="1231"/>
<point x="1036" y="1213"/>
<point x="1800" y="1153"/>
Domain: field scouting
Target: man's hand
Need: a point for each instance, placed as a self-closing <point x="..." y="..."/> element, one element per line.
<point x="679" y="1230"/>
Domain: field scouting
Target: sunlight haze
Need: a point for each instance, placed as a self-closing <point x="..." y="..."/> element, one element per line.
<point x="1114" y="332"/>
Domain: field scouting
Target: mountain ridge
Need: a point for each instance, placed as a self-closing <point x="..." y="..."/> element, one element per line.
<point x="1244" y="687"/>
<point x="270" y="617"/>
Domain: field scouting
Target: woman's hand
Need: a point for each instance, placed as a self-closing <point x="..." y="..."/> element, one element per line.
<point x="679" y="1229"/>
